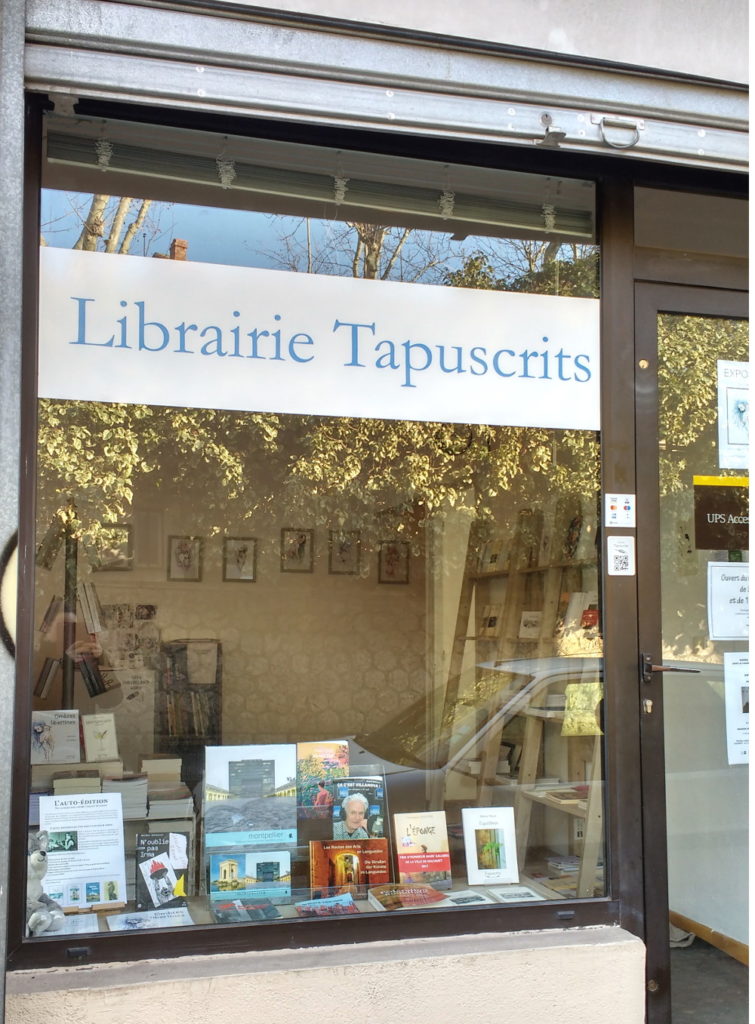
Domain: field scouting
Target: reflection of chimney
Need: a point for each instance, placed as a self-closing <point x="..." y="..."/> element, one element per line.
<point x="178" y="248"/>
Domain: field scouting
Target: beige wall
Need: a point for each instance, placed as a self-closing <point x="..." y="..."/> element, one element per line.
<point x="585" y="976"/>
<point x="671" y="34"/>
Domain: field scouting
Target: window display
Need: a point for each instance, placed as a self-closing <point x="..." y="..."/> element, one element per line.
<point x="278" y="401"/>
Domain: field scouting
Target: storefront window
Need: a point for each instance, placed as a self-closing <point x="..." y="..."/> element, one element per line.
<point x="317" y="587"/>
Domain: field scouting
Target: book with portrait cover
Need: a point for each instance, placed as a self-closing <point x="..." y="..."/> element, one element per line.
<point x="348" y="865"/>
<point x="365" y="785"/>
<point x="490" y="844"/>
<point x="162" y="864"/>
<point x="422" y="851"/>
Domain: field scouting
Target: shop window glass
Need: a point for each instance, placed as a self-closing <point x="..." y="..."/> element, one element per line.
<point x="308" y="646"/>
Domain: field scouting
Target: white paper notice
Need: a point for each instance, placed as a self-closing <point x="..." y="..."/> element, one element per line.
<point x="733" y="414"/>
<point x="737" y="696"/>
<point x="728" y="600"/>
<point x="85" y="852"/>
<point x="621" y="561"/>
<point x="620" y="510"/>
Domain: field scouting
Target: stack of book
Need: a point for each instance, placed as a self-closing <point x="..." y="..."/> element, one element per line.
<point x="170" y="800"/>
<point x="133" y="790"/>
<point x="161" y="767"/>
<point x="42" y="774"/>
<point x="85" y="780"/>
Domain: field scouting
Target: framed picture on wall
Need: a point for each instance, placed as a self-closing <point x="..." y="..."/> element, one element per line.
<point x="240" y="559"/>
<point x="344" y="552"/>
<point x="393" y="561"/>
<point x="297" y="549"/>
<point x="113" y="549"/>
<point x="185" y="559"/>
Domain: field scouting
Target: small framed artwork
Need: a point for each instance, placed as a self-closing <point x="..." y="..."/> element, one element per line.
<point x="297" y="550"/>
<point x="344" y="552"/>
<point x="185" y="559"/>
<point x="393" y="561"/>
<point x="240" y="559"/>
<point x="113" y="550"/>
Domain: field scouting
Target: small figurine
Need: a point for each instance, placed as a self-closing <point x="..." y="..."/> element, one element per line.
<point x="42" y="913"/>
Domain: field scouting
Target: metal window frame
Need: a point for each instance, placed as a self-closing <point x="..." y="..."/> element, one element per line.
<point x="74" y="51"/>
<point x="347" y="75"/>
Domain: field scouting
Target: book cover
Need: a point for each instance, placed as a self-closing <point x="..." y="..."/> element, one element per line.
<point x="55" y="737"/>
<point x="530" y="625"/>
<point x="162" y="865"/>
<point x="465" y="898"/>
<point x="46" y="677"/>
<point x="100" y="739"/>
<point x="490" y="626"/>
<point x="348" y="865"/>
<point x="490" y="844"/>
<point x="244" y="909"/>
<point x="262" y="874"/>
<point x="515" y="894"/>
<point x="328" y="906"/>
<point x="318" y="764"/>
<point x="172" y="917"/>
<point x="360" y="810"/>
<point x="250" y="796"/>
<point x="404" y="896"/>
<point x="422" y="852"/>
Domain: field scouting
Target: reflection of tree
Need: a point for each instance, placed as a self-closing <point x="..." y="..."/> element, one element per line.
<point x="384" y="476"/>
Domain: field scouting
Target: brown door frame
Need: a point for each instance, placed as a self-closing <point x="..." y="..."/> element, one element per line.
<point x="650" y="300"/>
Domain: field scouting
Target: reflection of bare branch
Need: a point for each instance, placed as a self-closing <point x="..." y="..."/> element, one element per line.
<point x="117" y="224"/>
<point x="394" y="255"/>
<point x="93" y="225"/>
<point x="135" y="226"/>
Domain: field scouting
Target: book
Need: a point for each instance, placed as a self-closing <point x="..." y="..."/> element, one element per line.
<point x="54" y="609"/>
<point x="133" y="790"/>
<point x="565" y="796"/>
<point x="318" y="764"/>
<point x="404" y="896"/>
<point x="41" y="774"/>
<point x="490" y="626"/>
<point x="90" y="673"/>
<point x="81" y="781"/>
<point x="244" y="909"/>
<point x="258" y="874"/>
<point x="422" y="851"/>
<point x="490" y="844"/>
<point x="171" y="917"/>
<point x="348" y="865"/>
<point x="54" y="738"/>
<point x="100" y="740"/>
<point x="465" y="898"/>
<point x="328" y="906"/>
<point x="249" y="796"/>
<point x="162" y="865"/>
<point x="515" y="894"/>
<point x="363" y="785"/>
<point x="493" y="557"/>
<point x="90" y="607"/>
<point x="169" y="800"/>
<point x="161" y="767"/>
<point x="530" y="625"/>
<point x="47" y="675"/>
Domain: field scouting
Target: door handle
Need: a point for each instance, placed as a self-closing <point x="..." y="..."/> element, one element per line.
<point x="647" y="668"/>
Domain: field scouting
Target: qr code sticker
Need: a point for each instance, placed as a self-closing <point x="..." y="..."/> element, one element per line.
<point x="621" y="556"/>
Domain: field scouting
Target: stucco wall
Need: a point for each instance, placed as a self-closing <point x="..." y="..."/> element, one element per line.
<point x="583" y="976"/>
<point x="667" y="34"/>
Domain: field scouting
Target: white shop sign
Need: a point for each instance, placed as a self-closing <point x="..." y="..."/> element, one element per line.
<point x="162" y="332"/>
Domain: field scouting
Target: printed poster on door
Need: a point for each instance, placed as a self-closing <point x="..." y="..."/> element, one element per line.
<point x="733" y="414"/>
<point x="737" y="700"/>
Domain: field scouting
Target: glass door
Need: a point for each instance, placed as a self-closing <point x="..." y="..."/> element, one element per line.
<point x="693" y="569"/>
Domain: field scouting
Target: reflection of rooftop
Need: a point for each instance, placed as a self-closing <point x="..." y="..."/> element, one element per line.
<point x="216" y="793"/>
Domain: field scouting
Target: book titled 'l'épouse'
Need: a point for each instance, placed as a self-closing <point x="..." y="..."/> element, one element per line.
<point x="422" y="852"/>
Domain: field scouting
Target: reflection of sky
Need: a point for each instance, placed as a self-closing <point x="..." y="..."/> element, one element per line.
<point x="218" y="759"/>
